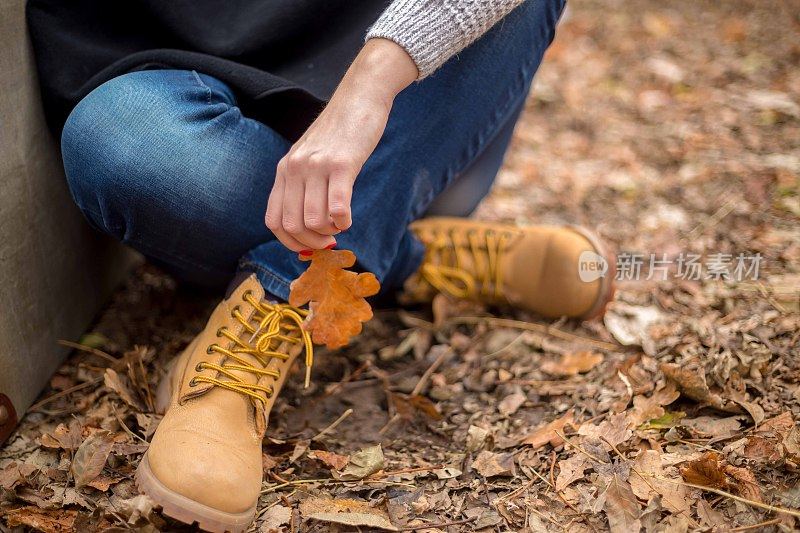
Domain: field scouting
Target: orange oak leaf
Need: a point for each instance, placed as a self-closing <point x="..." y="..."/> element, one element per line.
<point x="335" y="296"/>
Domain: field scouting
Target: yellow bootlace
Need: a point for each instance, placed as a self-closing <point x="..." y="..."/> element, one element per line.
<point x="277" y="323"/>
<point x="469" y="270"/>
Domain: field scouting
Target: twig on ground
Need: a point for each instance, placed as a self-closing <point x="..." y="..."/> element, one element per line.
<point x="88" y="349"/>
<point x="378" y="475"/>
<point x="437" y="525"/>
<point x="577" y="447"/>
<point x="326" y="481"/>
<point x="65" y="392"/>
<point x="758" y="526"/>
<point x="530" y="326"/>
<point x="766" y="506"/>
<point x="332" y="425"/>
<point x="423" y="381"/>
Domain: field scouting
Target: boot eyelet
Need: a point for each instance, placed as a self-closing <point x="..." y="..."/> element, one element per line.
<point x="200" y="367"/>
<point x="235" y="310"/>
<point x="219" y="331"/>
<point x="192" y="382"/>
<point x="210" y="349"/>
<point x="248" y="293"/>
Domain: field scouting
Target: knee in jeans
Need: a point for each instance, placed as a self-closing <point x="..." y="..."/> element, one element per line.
<point x="99" y="142"/>
<point x="118" y="141"/>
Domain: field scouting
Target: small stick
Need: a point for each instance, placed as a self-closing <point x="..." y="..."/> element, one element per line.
<point x="758" y="526"/>
<point x="333" y="425"/>
<point x="552" y="485"/>
<point x="65" y="392"/>
<point x="752" y="503"/>
<point x="357" y="372"/>
<point x="423" y="381"/>
<point x="530" y="326"/>
<point x="128" y="430"/>
<point x="331" y="480"/>
<point x="89" y="349"/>
<point x="438" y="525"/>
<point x="150" y="403"/>
<point x="584" y="452"/>
<point x="378" y="475"/>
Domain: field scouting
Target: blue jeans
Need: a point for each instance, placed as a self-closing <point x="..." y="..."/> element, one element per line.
<point x="164" y="161"/>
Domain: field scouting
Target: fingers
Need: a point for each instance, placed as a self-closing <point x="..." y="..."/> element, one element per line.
<point x="310" y="200"/>
<point x="294" y="221"/>
<point x="340" y="191"/>
<point x="315" y="208"/>
<point x="274" y="215"/>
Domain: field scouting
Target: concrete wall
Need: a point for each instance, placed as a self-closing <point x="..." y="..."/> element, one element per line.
<point x="55" y="272"/>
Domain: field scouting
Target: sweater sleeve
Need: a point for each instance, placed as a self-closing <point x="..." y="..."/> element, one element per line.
<point x="433" y="31"/>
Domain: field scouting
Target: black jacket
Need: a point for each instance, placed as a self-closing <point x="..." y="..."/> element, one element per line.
<point x="283" y="58"/>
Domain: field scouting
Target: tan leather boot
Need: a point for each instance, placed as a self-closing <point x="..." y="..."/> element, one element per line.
<point x="204" y="463"/>
<point x="538" y="268"/>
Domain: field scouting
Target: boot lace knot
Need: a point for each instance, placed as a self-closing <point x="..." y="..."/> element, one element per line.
<point x="271" y="325"/>
<point x="466" y="263"/>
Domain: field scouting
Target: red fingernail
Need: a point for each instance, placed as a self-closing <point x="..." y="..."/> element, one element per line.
<point x="331" y="246"/>
<point x="306" y="252"/>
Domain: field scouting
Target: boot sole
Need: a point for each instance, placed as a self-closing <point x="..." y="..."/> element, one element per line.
<point x="187" y="510"/>
<point x="607" y="286"/>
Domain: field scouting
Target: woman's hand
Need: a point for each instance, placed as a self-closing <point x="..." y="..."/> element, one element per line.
<point x="310" y="200"/>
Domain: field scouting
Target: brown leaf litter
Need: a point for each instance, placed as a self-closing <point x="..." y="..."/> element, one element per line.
<point x="668" y="128"/>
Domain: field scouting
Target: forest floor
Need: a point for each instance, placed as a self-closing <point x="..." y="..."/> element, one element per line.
<point x="669" y="128"/>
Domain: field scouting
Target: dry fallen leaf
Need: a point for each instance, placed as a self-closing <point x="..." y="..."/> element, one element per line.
<point x="709" y="426"/>
<point x="67" y="438"/>
<point x="630" y="324"/>
<point x="136" y="508"/>
<point x="744" y="482"/>
<point x="648" y="408"/>
<point x="571" y="470"/>
<point x="711" y="470"/>
<point x="335" y="296"/>
<point x="511" y="403"/>
<point x="10" y="476"/>
<point x="710" y="516"/>
<point x="611" y="432"/>
<point x="275" y="518"/>
<point x="408" y="406"/>
<point x="120" y="385"/>
<point x="570" y="364"/>
<point x="621" y="507"/>
<point x="362" y="463"/>
<point x="333" y="460"/>
<point x="346" y="511"/>
<point x="692" y="383"/>
<point x="781" y="424"/>
<point x="47" y="521"/>
<point x="706" y="471"/>
<point x="103" y="482"/>
<point x="547" y="433"/>
<point x="647" y="479"/>
<point x="91" y="457"/>
<point x="489" y="464"/>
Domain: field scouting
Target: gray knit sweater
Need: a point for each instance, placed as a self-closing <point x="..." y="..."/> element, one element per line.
<point x="433" y="31"/>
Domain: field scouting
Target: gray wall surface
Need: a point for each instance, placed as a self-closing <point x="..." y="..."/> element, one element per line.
<point x="55" y="272"/>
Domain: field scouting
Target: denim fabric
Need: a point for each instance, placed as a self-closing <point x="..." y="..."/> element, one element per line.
<point x="164" y="161"/>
